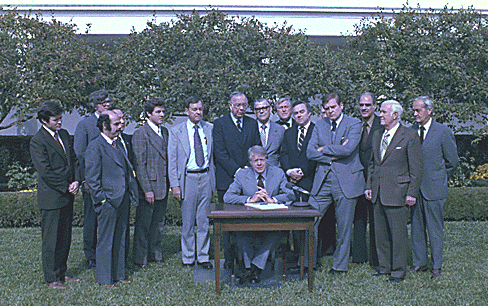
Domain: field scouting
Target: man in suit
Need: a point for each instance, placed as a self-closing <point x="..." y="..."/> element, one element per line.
<point x="339" y="179"/>
<point x="110" y="177"/>
<point x="260" y="183"/>
<point x="150" y="144"/>
<point x="283" y="110"/>
<point x="57" y="168"/>
<point x="364" y="207"/>
<point x="86" y="131"/>
<point x="191" y="168"/>
<point x="298" y="168"/>
<point x="271" y="132"/>
<point x="440" y="160"/>
<point x="394" y="174"/>
<point x="233" y="135"/>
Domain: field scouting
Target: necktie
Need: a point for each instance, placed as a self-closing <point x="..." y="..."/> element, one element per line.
<point x="301" y="136"/>
<point x="263" y="135"/>
<point x="114" y="144"/>
<point x="422" y="131"/>
<point x="364" y="134"/>
<point x="333" y="130"/>
<point x="285" y="123"/>
<point x="56" y="136"/>
<point x="197" y="144"/>
<point x="260" y="181"/>
<point x="384" y="145"/>
<point x="239" y="127"/>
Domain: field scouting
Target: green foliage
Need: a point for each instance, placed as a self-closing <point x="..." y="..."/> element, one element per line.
<point x="213" y="55"/>
<point x="467" y="203"/>
<point x="462" y="175"/>
<point x="443" y="54"/>
<point x="21" y="178"/>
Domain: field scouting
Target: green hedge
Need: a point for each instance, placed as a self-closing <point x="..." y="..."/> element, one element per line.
<point x="20" y="209"/>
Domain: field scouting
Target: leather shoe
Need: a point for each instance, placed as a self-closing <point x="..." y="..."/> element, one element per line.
<point x="436" y="273"/>
<point x="294" y="270"/>
<point x="57" y="285"/>
<point x="92" y="264"/>
<point x="336" y="272"/>
<point x="380" y="274"/>
<point x="395" y="279"/>
<point x="206" y="265"/>
<point x="111" y="286"/>
<point x="255" y="273"/>
<point x="70" y="279"/>
<point x="125" y="281"/>
<point x="161" y="262"/>
<point x="242" y="277"/>
<point x="188" y="265"/>
<point x="141" y="266"/>
<point x="418" y="269"/>
<point x="227" y="264"/>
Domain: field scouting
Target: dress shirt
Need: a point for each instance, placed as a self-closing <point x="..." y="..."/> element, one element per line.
<point x="338" y="121"/>
<point x="234" y="119"/>
<point x="264" y="182"/>
<point x="391" y="132"/>
<point x="260" y="127"/>
<point x="192" y="162"/>
<point x="52" y="133"/>
<point x="368" y="124"/>
<point x="109" y="141"/>
<point x="155" y="128"/>
<point x="426" y="128"/>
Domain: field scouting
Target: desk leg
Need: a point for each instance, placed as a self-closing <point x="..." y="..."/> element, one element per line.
<point x="217" y="235"/>
<point x="302" y="254"/>
<point x="311" y="240"/>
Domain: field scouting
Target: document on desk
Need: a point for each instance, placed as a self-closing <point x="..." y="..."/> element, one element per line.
<point x="265" y="206"/>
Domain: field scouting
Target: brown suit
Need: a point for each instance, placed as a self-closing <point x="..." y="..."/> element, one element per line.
<point x="391" y="179"/>
<point x="151" y="152"/>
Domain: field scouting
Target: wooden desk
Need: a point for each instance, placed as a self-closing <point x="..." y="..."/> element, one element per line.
<point x="229" y="217"/>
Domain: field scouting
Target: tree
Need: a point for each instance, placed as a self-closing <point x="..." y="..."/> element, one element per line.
<point x="441" y="54"/>
<point x="43" y="60"/>
<point x="213" y="55"/>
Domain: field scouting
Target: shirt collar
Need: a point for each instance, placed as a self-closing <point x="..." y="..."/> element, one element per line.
<point x="51" y="132"/>
<point x="427" y="125"/>
<point x="109" y="141"/>
<point x="392" y="131"/>
<point x="190" y="124"/>
<point x="155" y="128"/>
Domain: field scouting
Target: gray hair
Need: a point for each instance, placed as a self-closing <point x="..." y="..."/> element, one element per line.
<point x="236" y="93"/>
<point x="396" y="107"/>
<point x="261" y="100"/>
<point x="256" y="150"/>
<point x="429" y="104"/>
<point x="285" y="98"/>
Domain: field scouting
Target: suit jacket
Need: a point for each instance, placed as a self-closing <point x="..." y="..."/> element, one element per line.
<point x="130" y="151"/>
<point x="440" y="160"/>
<point x="86" y="131"/>
<point x="366" y="148"/>
<point x="273" y="143"/>
<point x="399" y="173"/>
<point x="230" y="147"/>
<point x="151" y="153"/>
<point x="347" y="166"/>
<point x="293" y="123"/>
<point x="179" y="154"/>
<point x="56" y="169"/>
<point x="245" y="186"/>
<point x="109" y="174"/>
<point x="291" y="158"/>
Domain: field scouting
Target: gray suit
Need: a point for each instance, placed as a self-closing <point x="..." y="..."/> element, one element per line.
<point x="112" y="184"/>
<point x="194" y="205"/>
<point x="339" y="181"/>
<point x="273" y="143"/>
<point x="85" y="132"/>
<point x="440" y="160"/>
<point x="150" y="151"/>
<point x="244" y="187"/>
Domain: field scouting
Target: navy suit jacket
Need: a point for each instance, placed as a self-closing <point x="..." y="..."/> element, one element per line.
<point x="365" y="150"/>
<point x="86" y="131"/>
<point x="292" y="158"/>
<point x="230" y="147"/>
<point x="56" y="169"/>
<point x="440" y="160"/>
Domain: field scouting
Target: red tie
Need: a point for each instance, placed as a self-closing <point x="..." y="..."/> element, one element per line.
<point x="59" y="142"/>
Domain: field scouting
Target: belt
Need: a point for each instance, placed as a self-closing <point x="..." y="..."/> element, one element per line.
<point x="197" y="171"/>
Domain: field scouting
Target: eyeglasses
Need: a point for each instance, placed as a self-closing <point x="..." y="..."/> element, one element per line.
<point x="262" y="108"/>
<point x="240" y="105"/>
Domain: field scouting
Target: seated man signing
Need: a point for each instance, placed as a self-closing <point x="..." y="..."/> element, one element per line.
<point x="257" y="184"/>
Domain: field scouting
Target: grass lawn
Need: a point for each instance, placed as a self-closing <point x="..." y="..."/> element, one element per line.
<point x="464" y="280"/>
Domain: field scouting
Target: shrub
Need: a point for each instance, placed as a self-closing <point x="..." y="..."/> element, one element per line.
<point x="21" y="178"/>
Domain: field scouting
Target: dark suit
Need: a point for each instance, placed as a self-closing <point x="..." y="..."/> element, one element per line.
<point x="86" y="131"/>
<point x="113" y="187"/>
<point x="440" y="160"/>
<point x="291" y="158"/>
<point x="56" y="171"/>
<point x="339" y="178"/>
<point x="391" y="179"/>
<point x="244" y="187"/>
<point x="364" y="207"/>
<point x="285" y="124"/>
<point x="230" y="152"/>
<point x="126" y="143"/>
<point x="151" y="152"/>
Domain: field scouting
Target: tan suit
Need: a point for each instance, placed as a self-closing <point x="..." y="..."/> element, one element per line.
<point x="391" y="179"/>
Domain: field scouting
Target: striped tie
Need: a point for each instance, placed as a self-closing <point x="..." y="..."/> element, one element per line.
<point x="301" y="136"/>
